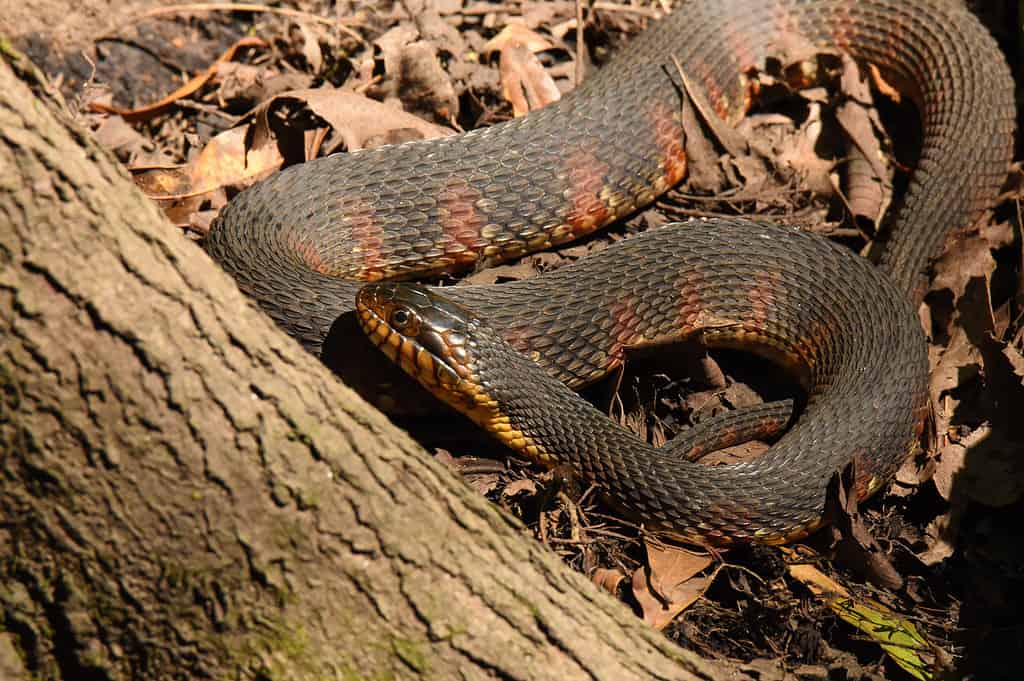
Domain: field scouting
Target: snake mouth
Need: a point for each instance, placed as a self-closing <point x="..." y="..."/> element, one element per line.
<point x="422" y="333"/>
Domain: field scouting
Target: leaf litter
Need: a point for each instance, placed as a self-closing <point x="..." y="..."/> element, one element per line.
<point x="289" y="84"/>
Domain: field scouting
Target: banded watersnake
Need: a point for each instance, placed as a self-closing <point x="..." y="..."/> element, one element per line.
<point x="302" y="241"/>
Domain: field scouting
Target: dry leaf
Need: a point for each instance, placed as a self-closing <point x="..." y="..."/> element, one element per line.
<point x="114" y="133"/>
<point x="797" y="152"/>
<point x="311" y="47"/>
<point x="968" y="258"/>
<point x="226" y="161"/>
<point x="361" y="122"/>
<point x="1016" y="360"/>
<point x="524" y="269"/>
<point x="392" y="42"/>
<point x="523" y="486"/>
<point x="868" y="188"/>
<point x="440" y="33"/>
<point x="608" y="579"/>
<point x="514" y="34"/>
<point x="983" y="466"/>
<point x="856" y="545"/>
<point x="422" y="84"/>
<point x="941" y="534"/>
<point x="671" y="582"/>
<point x="525" y="83"/>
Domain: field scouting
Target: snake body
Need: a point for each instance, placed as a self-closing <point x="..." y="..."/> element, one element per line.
<point x="305" y="240"/>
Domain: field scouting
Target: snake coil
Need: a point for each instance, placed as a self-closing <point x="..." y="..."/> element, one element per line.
<point x="304" y="241"/>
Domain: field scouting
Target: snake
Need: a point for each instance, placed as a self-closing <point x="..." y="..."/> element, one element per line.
<point x="306" y="240"/>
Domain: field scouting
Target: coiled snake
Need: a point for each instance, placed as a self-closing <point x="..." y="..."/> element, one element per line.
<point x="305" y="240"/>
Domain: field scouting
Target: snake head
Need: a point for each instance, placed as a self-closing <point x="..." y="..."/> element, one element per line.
<point x="426" y="334"/>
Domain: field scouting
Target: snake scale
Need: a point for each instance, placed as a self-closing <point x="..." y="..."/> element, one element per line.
<point x="304" y="241"/>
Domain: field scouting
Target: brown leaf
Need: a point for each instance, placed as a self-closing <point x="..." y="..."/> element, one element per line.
<point x="523" y="486"/>
<point x="228" y="161"/>
<point x="515" y="34"/>
<point x="225" y="161"/>
<point x="704" y="175"/>
<point x="798" y="151"/>
<point x="538" y="14"/>
<point x="608" y="579"/>
<point x="484" y="483"/>
<point x="361" y="122"/>
<point x="983" y="465"/>
<point x="950" y="462"/>
<point x="867" y="171"/>
<point x="941" y="533"/>
<point x="114" y="133"/>
<point x="440" y="33"/>
<point x="745" y="451"/>
<point x="957" y="363"/>
<point x="414" y="74"/>
<point x="1016" y="360"/>
<point x="856" y="545"/>
<point x="868" y="187"/>
<point x="171" y="188"/>
<point x="525" y="82"/>
<point x="391" y="43"/>
<point x="524" y="269"/>
<point x="422" y="84"/>
<point x="311" y="47"/>
<point x="252" y="84"/>
<point x="967" y="258"/>
<point x="672" y="584"/>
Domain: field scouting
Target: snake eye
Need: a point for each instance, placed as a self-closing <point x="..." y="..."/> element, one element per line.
<point x="401" y="318"/>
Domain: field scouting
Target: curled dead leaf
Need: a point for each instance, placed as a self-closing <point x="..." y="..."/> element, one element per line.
<point x="228" y="160"/>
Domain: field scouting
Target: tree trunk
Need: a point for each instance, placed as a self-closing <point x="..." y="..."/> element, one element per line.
<point x="185" y="493"/>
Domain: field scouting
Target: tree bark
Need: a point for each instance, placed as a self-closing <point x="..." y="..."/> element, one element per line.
<point x="185" y="493"/>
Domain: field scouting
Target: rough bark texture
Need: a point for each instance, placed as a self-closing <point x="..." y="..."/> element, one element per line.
<point x="184" y="493"/>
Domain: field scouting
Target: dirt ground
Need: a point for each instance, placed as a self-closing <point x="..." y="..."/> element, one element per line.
<point x="179" y="92"/>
